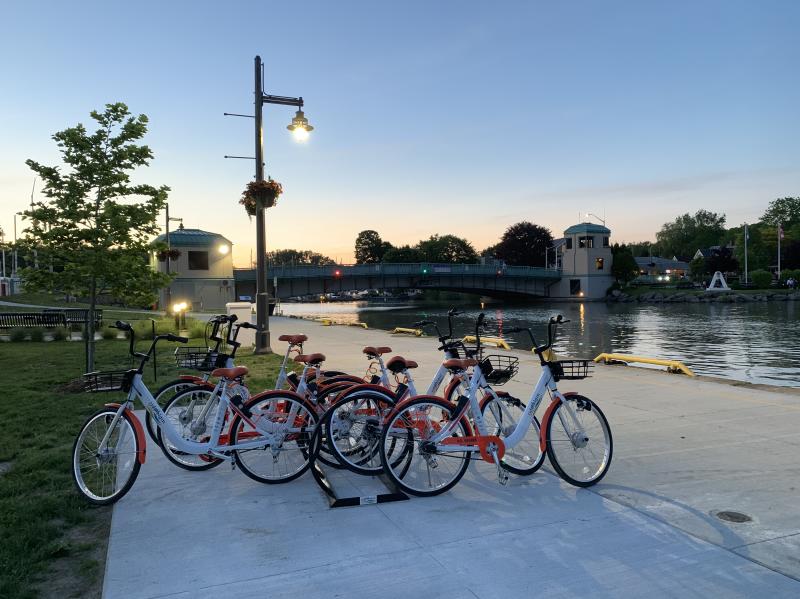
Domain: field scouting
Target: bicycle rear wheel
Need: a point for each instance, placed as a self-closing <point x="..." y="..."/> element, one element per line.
<point x="280" y="438"/>
<point x="103" y="475"/>
<point x="162" y="396"/>
<point x="502" y="415"/>
<point x="353" y="428"/>
<point x="581" y="456"/>
<point x="428" y="468"/>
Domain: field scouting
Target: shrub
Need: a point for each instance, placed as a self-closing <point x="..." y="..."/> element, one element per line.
<point x="58" y="334"/>
<point x="108" y="333"/>
<point x="197" y="329"/>
<point x="18" y="335"/>
<point x="761" y="278"/>
<point x="37" y="335"/>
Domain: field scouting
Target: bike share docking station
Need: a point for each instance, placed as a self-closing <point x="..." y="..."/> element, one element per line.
<point x="326" y="484"/>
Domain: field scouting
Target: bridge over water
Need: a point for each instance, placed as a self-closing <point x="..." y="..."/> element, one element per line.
<point x="489" y="280"/>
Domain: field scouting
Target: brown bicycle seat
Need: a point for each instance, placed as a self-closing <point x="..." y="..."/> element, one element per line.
<point x="376" y="351"/>
<point x="312" y="359"/>
<point x="293" y="339"/>
<point x="456" y="364"/>
<point x="230" y="373"/>
<point x="398" y="364"/>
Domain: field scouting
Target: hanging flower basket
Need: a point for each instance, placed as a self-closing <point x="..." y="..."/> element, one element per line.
<point x="173" y="255"/>
<point x="260" y="194"/>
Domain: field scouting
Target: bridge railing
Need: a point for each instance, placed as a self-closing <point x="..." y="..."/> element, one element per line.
<point x="420" y="269"/>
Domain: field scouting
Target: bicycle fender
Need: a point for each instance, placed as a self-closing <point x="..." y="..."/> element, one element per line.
<point x="548" y="414"/>
<point x="195" y="379"/>
<point x="378" y="389"/>
<point x="138" y="429"/>
<point x="281" y="393"/>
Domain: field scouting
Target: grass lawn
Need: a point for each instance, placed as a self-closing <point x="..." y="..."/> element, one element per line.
<point x="53" y="543"/>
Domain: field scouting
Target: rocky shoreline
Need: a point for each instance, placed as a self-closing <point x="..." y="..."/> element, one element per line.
<point x="725" y="297"/>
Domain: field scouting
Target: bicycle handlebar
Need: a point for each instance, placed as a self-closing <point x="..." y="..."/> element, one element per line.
<point x="552" y="324"/>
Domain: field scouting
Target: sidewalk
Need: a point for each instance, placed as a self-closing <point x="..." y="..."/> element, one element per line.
<point x="684" y="449"/>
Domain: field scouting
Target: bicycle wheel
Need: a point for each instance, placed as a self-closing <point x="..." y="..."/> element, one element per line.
<point x="428" y="469"/>
<point x="191" y="413"/>
<point x="280" y="438"/>
<point x="501" y="415"/>
<point x="353" y="428"/>
<point x="581" y="456"/>
<point x="104" y="474"/>
<point x="162" y="396"/>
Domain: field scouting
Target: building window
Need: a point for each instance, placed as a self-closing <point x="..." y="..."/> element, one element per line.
<point x="575" y="287"/>
<point x="569" y="243"/>
<point x="198" y="260"/>
<point x="587" y="241"/>
<point x="598" y="262"/>
<point x="605" y="241"/>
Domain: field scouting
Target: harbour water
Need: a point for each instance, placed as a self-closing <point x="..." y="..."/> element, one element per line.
<point x="753" y="342"/>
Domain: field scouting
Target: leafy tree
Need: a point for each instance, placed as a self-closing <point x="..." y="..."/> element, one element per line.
<point x="697" y="268"/>
<point x="761" y="278"/>
<point x="783" y="211"/>
<point x="447" y="248"/>
<point x="370" y="248"/>
<point x="688" y="233"/>
<point x="791" y="257"/>
<point x="759" y="252"/>
<point x="95" y="225"/>
<point x="641" y="249"/>
<point x="404" y="254"/>
<point x="524" y="244"/>
<point x="623" y="266"/>
<point x="491" y="251"/>
<point x="721" y="260"/>
<point x="298" y="257"/>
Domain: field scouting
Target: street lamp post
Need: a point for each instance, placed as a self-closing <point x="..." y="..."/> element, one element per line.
<point x="300" y="128"/>
<point x="168" y="294"/>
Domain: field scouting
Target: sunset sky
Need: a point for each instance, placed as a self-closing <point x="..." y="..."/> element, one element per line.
<point x="431" y="117"/>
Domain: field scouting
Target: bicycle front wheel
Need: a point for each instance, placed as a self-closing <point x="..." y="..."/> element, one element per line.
<point x="191" y="413"/>
<point x="162" y="396"/>
<point x="427" y="468"/>
<point x="579" y="452"/>
<point x="274" y="443"/>
<point x="104" y="472"/>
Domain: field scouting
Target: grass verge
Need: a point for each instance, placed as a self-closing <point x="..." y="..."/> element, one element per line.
<point x="52" y="543"/>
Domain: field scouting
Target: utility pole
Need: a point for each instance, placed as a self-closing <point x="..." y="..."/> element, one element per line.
<point x="746" y="235"/>
<point x="780" y="234"/>
<point x="262" y="302"/>
<point x="168" y="294"/>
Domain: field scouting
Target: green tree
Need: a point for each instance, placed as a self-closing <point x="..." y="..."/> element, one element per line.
<point x="624" y="268"/>
<point x="697" y="268"/>
<point x="688" y="233"/>
<point x="782" y="211"/>
<point x="791" y="257"/>
<point x="370" y="248"/>
<point x="447" y="248"/>
<point x="759" y="251"/>
<point x="95" y="226"/>
<point x="641" y="249"/>
<point x="761" y="278"/>
<point x="403" y="254"/>
<point x="298" y="257"/>
<point x="524" y="244"/>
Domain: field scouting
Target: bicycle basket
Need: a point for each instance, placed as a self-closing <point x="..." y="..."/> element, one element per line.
<point x="572" y="370"/>
<point x="499" y="369"/>
<point x="198" y="358"/>
<point x="470" y="352"/>
<point x="110" y="380"/>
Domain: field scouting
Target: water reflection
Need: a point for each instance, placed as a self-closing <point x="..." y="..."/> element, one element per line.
<point x="756" y="342"/>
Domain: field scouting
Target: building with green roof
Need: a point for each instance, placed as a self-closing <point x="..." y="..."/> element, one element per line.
<point x="203" y="265"/>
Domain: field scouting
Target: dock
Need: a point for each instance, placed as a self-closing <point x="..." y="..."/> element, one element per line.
<point x="701" y="500"/>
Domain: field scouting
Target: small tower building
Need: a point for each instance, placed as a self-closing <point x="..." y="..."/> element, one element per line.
<point x="584" y="257"/>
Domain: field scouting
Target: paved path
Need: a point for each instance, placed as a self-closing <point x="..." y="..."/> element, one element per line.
<point x="684" y="449"/>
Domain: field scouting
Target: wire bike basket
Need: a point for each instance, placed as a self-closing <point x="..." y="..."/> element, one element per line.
<point x="572" y="370"/>
<point x="498" y="369"/>
<point x="199" y="358"/>
<point x="109" y="380"/>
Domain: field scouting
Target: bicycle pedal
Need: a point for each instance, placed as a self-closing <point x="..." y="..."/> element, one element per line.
<point x="502" y="478"/>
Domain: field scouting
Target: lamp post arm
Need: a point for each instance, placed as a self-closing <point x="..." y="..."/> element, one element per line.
<point x="284" y="100"/>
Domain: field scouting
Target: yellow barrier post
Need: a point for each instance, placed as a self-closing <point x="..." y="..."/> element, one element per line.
<point x="405" y="331"/>
<point x="496" y="341"/>
<point x="674" y="366"/>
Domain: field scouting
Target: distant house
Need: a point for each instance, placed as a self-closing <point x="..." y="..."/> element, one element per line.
<point x="714" y="250"/>
<point x="657" y="266"/>
<point x="204" y="269"/>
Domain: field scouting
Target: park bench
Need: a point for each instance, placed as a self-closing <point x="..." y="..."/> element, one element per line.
<point x="77" y="315"/>
<point x="47" y="320"/>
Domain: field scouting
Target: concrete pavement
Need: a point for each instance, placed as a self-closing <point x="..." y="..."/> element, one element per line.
<point x="685" y="449"/>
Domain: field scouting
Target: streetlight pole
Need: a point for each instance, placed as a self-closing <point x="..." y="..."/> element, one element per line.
<point x="168" y="294"/>
<point x="300" y="128"/>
